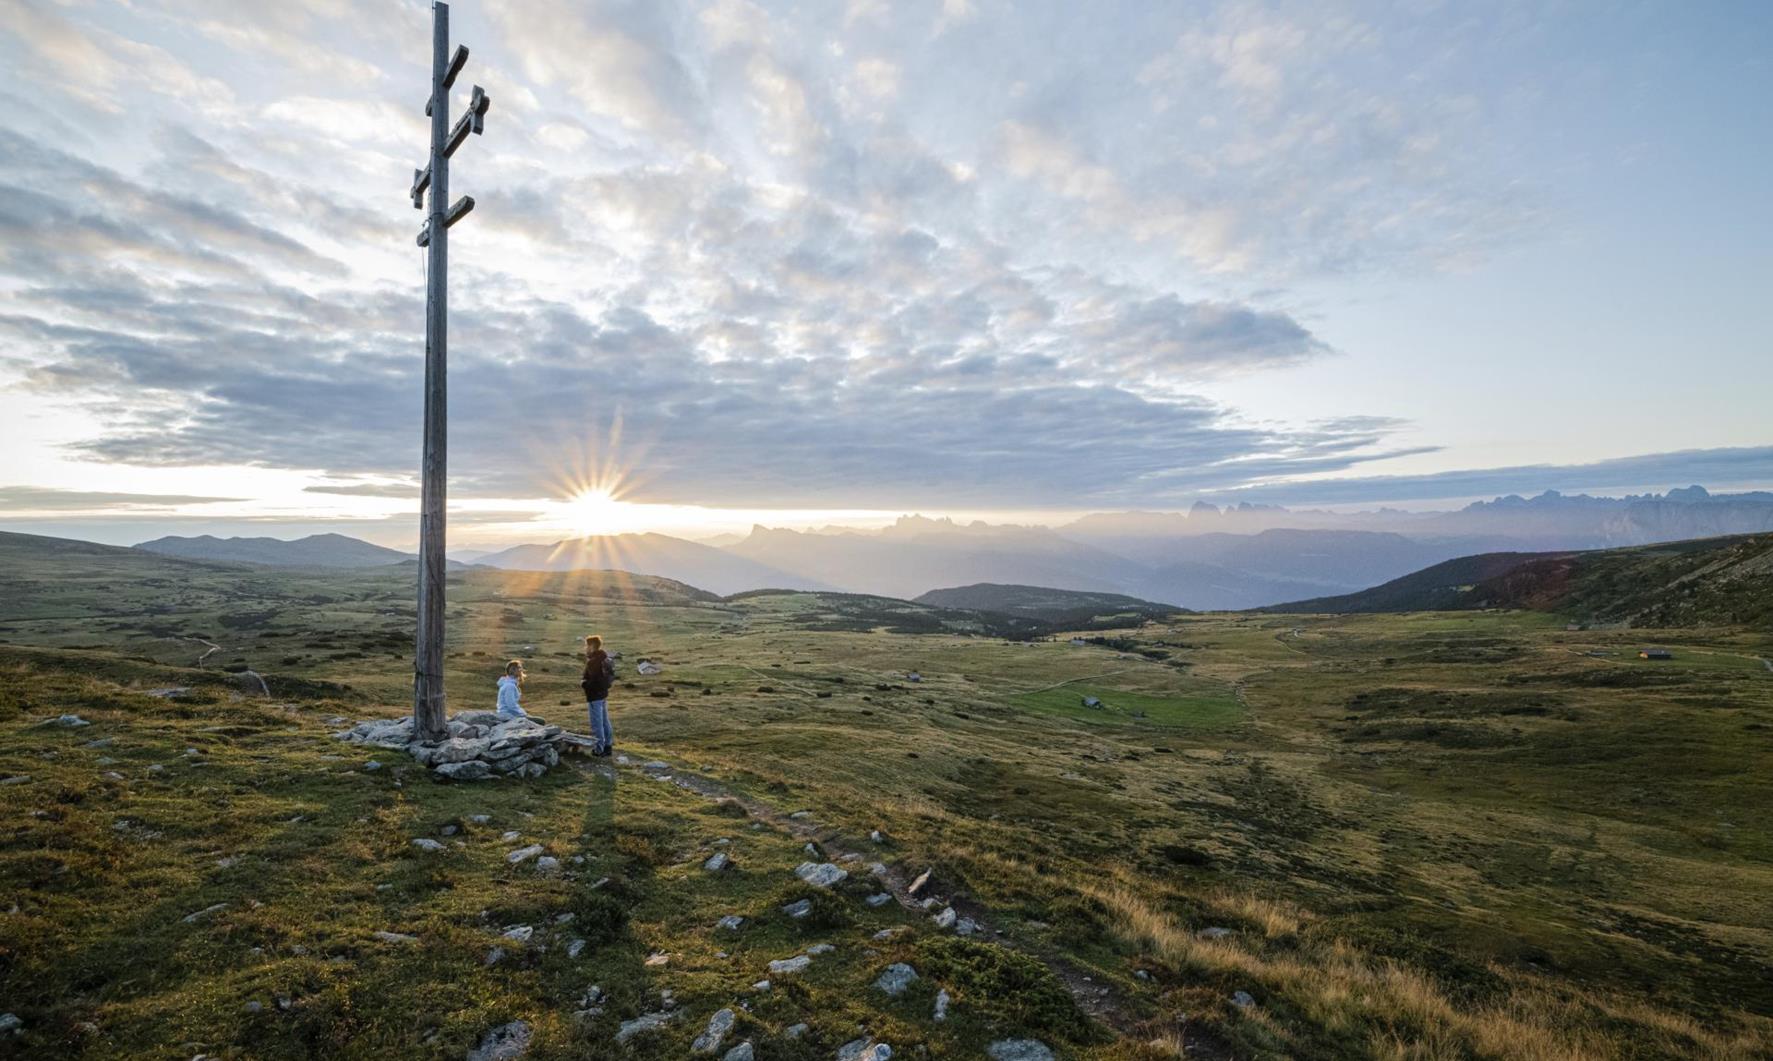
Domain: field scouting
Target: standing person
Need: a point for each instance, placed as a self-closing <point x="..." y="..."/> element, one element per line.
<point x="511" y="691"/>
<point x="599" y="673"/>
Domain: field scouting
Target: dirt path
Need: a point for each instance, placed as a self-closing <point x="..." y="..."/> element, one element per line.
<point x="213" y="649"/>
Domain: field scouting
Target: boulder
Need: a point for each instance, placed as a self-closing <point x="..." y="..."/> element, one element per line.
<point x="503" y="1043"/>
<point x="941" y="1011"/>
<point x="787" y="966"/>
<point x="472" y="770"/>
<point x="717" y="862"/>
<point x="820" y="874"/>
<point x="718" y="1027"/>
<point x="897" y="977"/>
<point x="741" y="1052"/>
<point x="646" y="1022"/>
<point x="458" y="750"/>
<point x="1019" y="1050"/>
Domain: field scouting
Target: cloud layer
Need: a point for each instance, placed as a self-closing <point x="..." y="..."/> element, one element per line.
<point x="868" y="256"/>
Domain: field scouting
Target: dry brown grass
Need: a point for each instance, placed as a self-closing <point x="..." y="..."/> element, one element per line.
<point x="1401" y="1013"/>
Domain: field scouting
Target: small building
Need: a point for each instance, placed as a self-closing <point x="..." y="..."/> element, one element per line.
<point x="1655" y="653"/>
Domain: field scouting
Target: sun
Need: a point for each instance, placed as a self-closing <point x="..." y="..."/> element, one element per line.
<point x="598" y="511"/>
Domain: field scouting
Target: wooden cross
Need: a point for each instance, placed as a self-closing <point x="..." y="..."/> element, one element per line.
<point x="428" y="712"/>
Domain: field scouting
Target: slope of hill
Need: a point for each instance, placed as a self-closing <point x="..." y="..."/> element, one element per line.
<point x="316" y="550"/>
<point x="1707" y="582"/>
<point x="651" y="554"/>
<point x="1056" y="606"/>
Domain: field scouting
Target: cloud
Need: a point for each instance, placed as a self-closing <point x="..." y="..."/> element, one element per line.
<point x="822" y="256"/>
<point x="1745" y="466"/>
<point x="43" y="499"/>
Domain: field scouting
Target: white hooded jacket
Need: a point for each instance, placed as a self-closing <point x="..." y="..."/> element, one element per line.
<point x="510" y="697"/>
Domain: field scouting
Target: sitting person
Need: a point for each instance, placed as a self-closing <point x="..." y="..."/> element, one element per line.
<point x="511" y="691"/>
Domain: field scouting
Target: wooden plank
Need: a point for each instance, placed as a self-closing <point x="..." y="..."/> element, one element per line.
<point x="456" y="62"/>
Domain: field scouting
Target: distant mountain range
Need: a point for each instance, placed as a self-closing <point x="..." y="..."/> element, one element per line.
<point x="1725" y="581"/>
<point x="1207" y="558"/>
<point x="704" y="566"/>
<point x="317" y="550"/>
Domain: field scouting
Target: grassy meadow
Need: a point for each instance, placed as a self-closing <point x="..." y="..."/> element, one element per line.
<point x="1439" y="835"/>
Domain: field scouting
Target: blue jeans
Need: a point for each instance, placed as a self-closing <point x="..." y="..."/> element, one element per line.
<point x="600" y="731"/>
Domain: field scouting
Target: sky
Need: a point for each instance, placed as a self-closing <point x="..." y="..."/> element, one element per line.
<point x="811" y="263"/>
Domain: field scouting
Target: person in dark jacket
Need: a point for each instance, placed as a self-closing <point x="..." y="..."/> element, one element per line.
<point x="599" y="673"/>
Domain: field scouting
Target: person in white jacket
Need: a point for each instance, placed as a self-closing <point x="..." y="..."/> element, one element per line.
<point x="511" y="691"/>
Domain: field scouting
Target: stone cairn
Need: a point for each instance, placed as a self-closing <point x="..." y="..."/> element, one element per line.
<point x="479" y="745"/>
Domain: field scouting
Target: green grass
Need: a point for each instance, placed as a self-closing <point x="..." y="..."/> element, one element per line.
<point x="1198" y="711"/>
<point x="1448" y="835"/>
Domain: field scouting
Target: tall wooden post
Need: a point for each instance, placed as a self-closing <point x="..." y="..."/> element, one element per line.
<point x="428" y="710"/>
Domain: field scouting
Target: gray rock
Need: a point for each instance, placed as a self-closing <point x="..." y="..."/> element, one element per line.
<point x="255" y="1006"/>
<point x="966" y="926"/>
<point x="897" y="977"/>
<point x="458" y="750"/>
<point x="718" y="1026"/>
<point x="1019" y="1050"/>
<point x="741" y="1052"/>
<point x="503" y="1043"/>
<point x="795" y="1031"/>
<point x="493" y="957"/>
<point x="18" y="780"/>
<point x="820" y="874"/>
<point x="372" y="766"/>
<point x="523" y="854"/>
<point x="509" y="835"/>
<point x="761" y="985"/>
<point x="547" y="865"/>
<point x="731" y="922"/>
<point x="880" y="899"/>
<point x="68" y="722"/>
<point x="864" y="1050"/>
<point x="1242" y="999"/>
<point x="799" y="908"/>
<point x="480" y="819"/>
<point x="1213" y="932"/>
<point x="425" y="843"/>
<point x="786" y="966"/>
<point x="204" y="913"/>
<point x="941" y="1011"/>
<point x="946" y="918"/>
<point x="477" y="718"/>
<point x="717" y="862"/>
<point x="396" y="937"/>
<point x="646" y="1022"/>
<point x="472" y="770"/>
<point x="519" y="933"/>
<point x="10" y="1024"/>
<point x="820" y="948"/>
